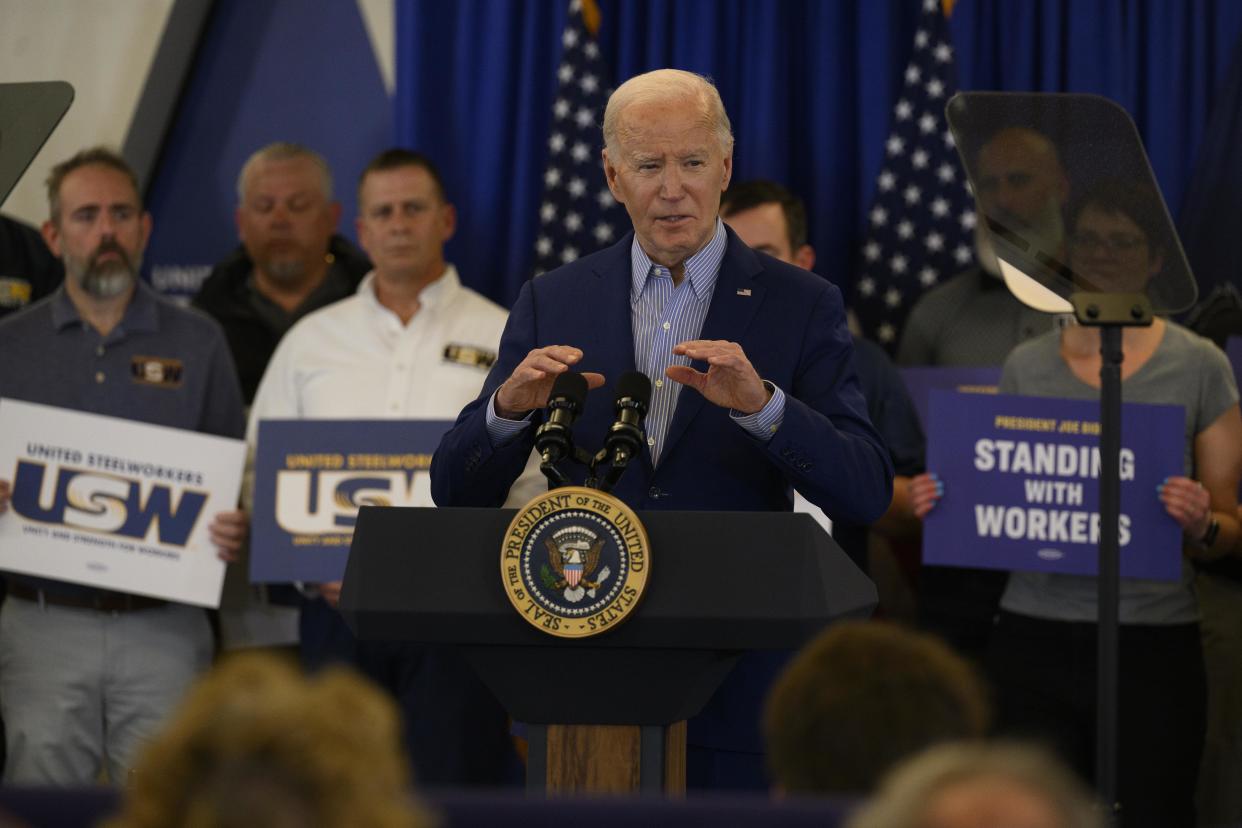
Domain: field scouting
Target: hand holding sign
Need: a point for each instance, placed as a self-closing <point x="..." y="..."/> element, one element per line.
<point x="228" y="532"/>
<point x="925" y="492"/>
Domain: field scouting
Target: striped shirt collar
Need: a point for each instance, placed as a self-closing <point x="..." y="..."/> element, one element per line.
<point x="701" y="269"/>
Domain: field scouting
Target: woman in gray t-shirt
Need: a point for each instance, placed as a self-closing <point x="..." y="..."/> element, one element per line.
<point x="1042" y="656"/>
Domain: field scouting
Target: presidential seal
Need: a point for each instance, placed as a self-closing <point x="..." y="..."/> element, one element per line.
<point x="575" y="562"/>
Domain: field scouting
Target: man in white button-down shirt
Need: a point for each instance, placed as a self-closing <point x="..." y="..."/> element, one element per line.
<point x="411" y="343"/>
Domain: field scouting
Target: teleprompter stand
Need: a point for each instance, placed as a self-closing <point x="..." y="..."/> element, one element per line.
<point x="1111" y="313"/>
<point x="605" y="713"/>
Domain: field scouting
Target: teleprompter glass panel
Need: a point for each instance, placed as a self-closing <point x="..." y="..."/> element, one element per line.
<point x="1067" y="201"/>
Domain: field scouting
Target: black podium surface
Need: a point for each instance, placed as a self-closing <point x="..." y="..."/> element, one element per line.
<point x="721" y="583"/>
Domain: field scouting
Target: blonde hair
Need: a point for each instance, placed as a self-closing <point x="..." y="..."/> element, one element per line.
<point x="257" y="743"/>
<point x="664" y="86"/>
<point x="906" y="794"/>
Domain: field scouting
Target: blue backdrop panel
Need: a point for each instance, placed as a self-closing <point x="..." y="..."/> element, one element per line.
<point x="809" y="85"/>
<point x="266" y="71"/>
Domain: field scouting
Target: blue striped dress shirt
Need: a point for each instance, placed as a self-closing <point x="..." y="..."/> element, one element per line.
<point x="661" y="316"/>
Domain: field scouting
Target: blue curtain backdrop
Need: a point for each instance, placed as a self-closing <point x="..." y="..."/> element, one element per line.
<point x="809" y="86"/>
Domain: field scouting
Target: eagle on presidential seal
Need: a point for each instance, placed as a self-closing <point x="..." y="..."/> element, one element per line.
<point x="573" y="556"/>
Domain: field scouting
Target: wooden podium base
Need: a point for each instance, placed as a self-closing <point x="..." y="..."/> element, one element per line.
<point x="606" y="758"/>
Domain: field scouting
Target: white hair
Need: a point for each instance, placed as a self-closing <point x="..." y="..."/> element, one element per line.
<point x="665" y="86"/>
<point x="910" y="788"/>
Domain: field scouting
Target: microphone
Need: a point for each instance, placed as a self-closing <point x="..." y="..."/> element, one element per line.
<point x="625" y="436"/>
<point x="554" y="440"/>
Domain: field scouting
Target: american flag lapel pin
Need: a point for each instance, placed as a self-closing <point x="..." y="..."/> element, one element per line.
<point x="743" y="291"/>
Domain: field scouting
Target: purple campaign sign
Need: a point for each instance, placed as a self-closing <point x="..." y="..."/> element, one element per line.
<point x="1021" y="485"/>
<point x="921" y="380"/>
<point x="312" y="475"/>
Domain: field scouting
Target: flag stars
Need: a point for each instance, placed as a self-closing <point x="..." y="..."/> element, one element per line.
<point x="577" y="187"/>
<point x="556" y="142"/>
<point x="569" y="254"/>
<point x="583" y="117"/>
<point x="895" y="146"/>
<point x="565" y="73"/>
<point x="570" y="40"/>
<point x="898" y="264"/>
<point x="912" y="195"/>
<point x="961" y="254"/>
<point x="543" y="245"/>
<point x="580" y="152"/>
<point x="919" y="159"/>
<point x="968" y="220"/>
<point x="921" y="39"/>
<point x="572" y="222"/>
<point x="604" y="198"/>
<point x="905" y="229"/>
<point x="602" y="232"/>
<point x="547" y="212"/>
<point x="552" y="178"/>
<point x="913" y="74"/>
<point x="903" y="110"/>
<point x="943" y="52"/>
<point x="935" y="88"/>
<point x="927" y="123"/>
<point x="879" y="216"/>
<point x="934" y="242"/>
<point x="866" y="286"/>
<point x="928" y="277"/>
<point x="871" y="251"/>
<point x="946" y="173"/>
<point x="948" y="139"/>
<point x="940" y="207"/>
<point x="886" y="332"/>
<point x="591" y="50"/>
<point x="560" y="109"/>
<point x="887" y="180"/>
<point x="892" y="297"/>
<point x="589" y="83"/>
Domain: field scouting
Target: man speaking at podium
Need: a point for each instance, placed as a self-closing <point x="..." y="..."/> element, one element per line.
<point x="771" y="401"/>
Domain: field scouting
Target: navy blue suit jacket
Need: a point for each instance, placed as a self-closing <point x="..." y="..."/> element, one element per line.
<point x="790" y="323"/>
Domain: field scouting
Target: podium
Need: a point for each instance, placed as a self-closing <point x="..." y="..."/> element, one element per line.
<point x="604" y="714"/>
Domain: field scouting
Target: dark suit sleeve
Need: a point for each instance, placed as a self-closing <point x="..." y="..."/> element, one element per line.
<point x="467" y="470"/>
<point x="826" y="445"/>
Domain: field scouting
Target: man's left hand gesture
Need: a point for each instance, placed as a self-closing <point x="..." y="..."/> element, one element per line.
<point x="730" y="380"/>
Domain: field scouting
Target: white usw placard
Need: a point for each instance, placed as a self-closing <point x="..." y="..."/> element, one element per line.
<point x="114" y="503"/>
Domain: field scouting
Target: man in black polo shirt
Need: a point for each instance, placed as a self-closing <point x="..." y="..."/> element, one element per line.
<point x="290" y="261"/>
<point x="87" y="675"/>
<point x="28" y="270"/>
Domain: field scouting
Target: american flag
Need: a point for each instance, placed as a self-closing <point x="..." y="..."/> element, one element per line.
<point x="577" y="214"/>
<point x="920" y="227"/>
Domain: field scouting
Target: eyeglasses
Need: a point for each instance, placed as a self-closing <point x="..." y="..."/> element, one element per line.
<point x="1115" y="242"/>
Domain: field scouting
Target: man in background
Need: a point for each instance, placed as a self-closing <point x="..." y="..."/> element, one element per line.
<point x="87" y="675"/>
<point x="28" y="270"/>
<point x="291" y="260"/>
<point x="412" y="343"/>
<point x="772" y="220"/>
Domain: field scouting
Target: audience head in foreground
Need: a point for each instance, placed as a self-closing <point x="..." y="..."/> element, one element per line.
<point x="256" y="743"/>
<point x="860" y="698"/>
<point x="980" y="786"/>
